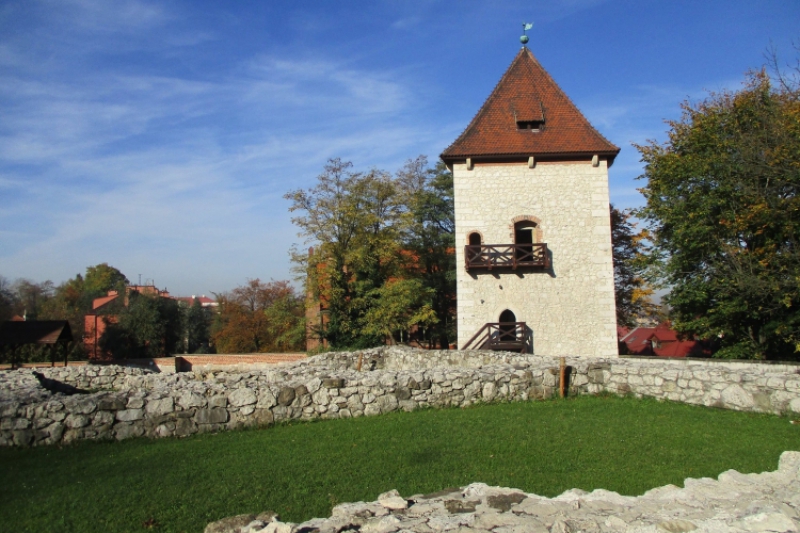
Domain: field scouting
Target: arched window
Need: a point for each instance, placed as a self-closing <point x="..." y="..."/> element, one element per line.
<point x="524" y="225"/>
<point x="474" y="238"/>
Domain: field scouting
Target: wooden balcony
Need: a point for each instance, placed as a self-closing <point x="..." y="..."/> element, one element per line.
<point x="506" y="256"/>
<point x="501" y="336"/>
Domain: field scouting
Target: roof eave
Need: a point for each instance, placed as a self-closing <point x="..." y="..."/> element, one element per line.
<point x="609" y="155"/>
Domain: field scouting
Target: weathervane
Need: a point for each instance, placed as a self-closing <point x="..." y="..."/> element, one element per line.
<point x="525" y="27"/>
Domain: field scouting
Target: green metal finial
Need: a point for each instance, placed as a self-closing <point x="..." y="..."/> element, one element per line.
<point x="525" y="27"/>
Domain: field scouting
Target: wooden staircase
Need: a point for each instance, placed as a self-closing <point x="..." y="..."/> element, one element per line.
<point x="501" y="336"/>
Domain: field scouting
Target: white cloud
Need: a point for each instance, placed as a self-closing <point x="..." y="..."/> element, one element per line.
<point x="148" y="171"/>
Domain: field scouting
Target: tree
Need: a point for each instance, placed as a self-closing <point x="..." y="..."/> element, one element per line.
<point x="399" y="304"/>
<point x="102" y="278"/>
<point x="198" y="328"/>
<point x="630" y="289"/>
<point x="148" y="326"/>
<point x="259" y="317"/>
<point x="72" y="300"/>
<point x="31" y="297"/>
<point x="724" y="216"/>
<point x="382" y="260"/>
<point x="355" y="220"/>
<point x="7" y="300"/>
<point x="431" y="239"/>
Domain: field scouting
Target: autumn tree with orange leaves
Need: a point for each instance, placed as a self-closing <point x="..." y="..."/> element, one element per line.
<point x="723" y="209"/>
<point x="259" y="317"/>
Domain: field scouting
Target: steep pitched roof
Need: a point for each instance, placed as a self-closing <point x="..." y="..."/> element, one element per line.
<point x="527" y="93"/>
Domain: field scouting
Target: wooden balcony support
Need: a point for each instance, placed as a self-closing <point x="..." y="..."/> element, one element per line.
<point x="513" y="256"/>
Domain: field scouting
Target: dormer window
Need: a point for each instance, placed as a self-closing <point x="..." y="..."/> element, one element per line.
<point x="528" y="113"/>
<point x="533" y="125"/>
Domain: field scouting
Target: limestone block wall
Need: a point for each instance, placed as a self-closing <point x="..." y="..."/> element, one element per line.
<point x="139" y="402"/>
<point x="570" y="309"/>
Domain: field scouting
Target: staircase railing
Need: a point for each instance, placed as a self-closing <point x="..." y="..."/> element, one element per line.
<point x="506" y="336"/>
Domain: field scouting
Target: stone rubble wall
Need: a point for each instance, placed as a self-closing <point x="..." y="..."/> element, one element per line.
<point x="734" y="502"/>
<point x="131" y="402"/>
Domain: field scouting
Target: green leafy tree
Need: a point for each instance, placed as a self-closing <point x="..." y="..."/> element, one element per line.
<point x="399" y="305"/>
<point x="724" y="215"/>
<point x="376" y="236"/>
<point x="356" y="221"/>
<point x="431" y="240"/>
<point x="631" y="291"/>
<point x="286" y="322"/>
<point x="72" y="300"/>
<point x="148" y="326"/>
<point x="100" y="279"/>
<point x="198" y="320"/>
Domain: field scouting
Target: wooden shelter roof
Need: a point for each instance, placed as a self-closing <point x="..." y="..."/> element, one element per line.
<point x="35" y="332"/>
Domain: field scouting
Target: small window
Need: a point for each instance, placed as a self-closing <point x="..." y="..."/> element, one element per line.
<point x="475" y="239"/>
<point x="533" y="125"/>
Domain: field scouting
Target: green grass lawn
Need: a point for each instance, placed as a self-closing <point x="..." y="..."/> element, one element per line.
<point x="301" y="470"/>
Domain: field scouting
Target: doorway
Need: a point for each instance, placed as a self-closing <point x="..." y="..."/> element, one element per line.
<point x="508" y="327"/>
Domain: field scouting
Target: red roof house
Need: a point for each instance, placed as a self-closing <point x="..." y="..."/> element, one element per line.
<point x="661" y="341"/>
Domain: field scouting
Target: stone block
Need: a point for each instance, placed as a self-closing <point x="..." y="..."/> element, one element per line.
<point x="160" y="407"/>
<point x="128" y="415"/>
<point x="387" y="403"/>
<point x="214" y="415"/>
<point x="126" y="430"/>
<point x="242" y="397"/>
<point x="218" y="400"/>
<point x="286" y="396"/>
<point x="135" y="402"/>
<point x="190" y="399"/>
<point x="402" y="393"/>
<point x="9" y="409"/>
<point x="110" y="403"/>
<point x="74" y="421"/>
<point x="80" y="405"/>
<point x="185" y="426"/>
<point x="23" y="437"/>
<point x="735" y="397"/>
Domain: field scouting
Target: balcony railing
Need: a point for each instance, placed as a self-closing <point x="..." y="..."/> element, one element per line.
<point x="513" y="256"/>
<point x="505" y="336"/>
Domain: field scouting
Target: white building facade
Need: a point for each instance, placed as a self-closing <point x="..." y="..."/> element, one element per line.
<point x="533" y="232"/>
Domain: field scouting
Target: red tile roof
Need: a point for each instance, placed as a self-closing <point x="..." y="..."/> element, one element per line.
<point x="662" y="341"/>
<point x="527" y="93"/>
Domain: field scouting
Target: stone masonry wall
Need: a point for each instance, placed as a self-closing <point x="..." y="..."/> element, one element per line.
<point x="570" y="309"/>
<point x="130" y="402"/>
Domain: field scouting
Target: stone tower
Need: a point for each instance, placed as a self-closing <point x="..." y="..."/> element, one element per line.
<point x="533" y="232"/>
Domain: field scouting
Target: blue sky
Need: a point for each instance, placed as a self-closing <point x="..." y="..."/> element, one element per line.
<point x="160" y="137"/>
